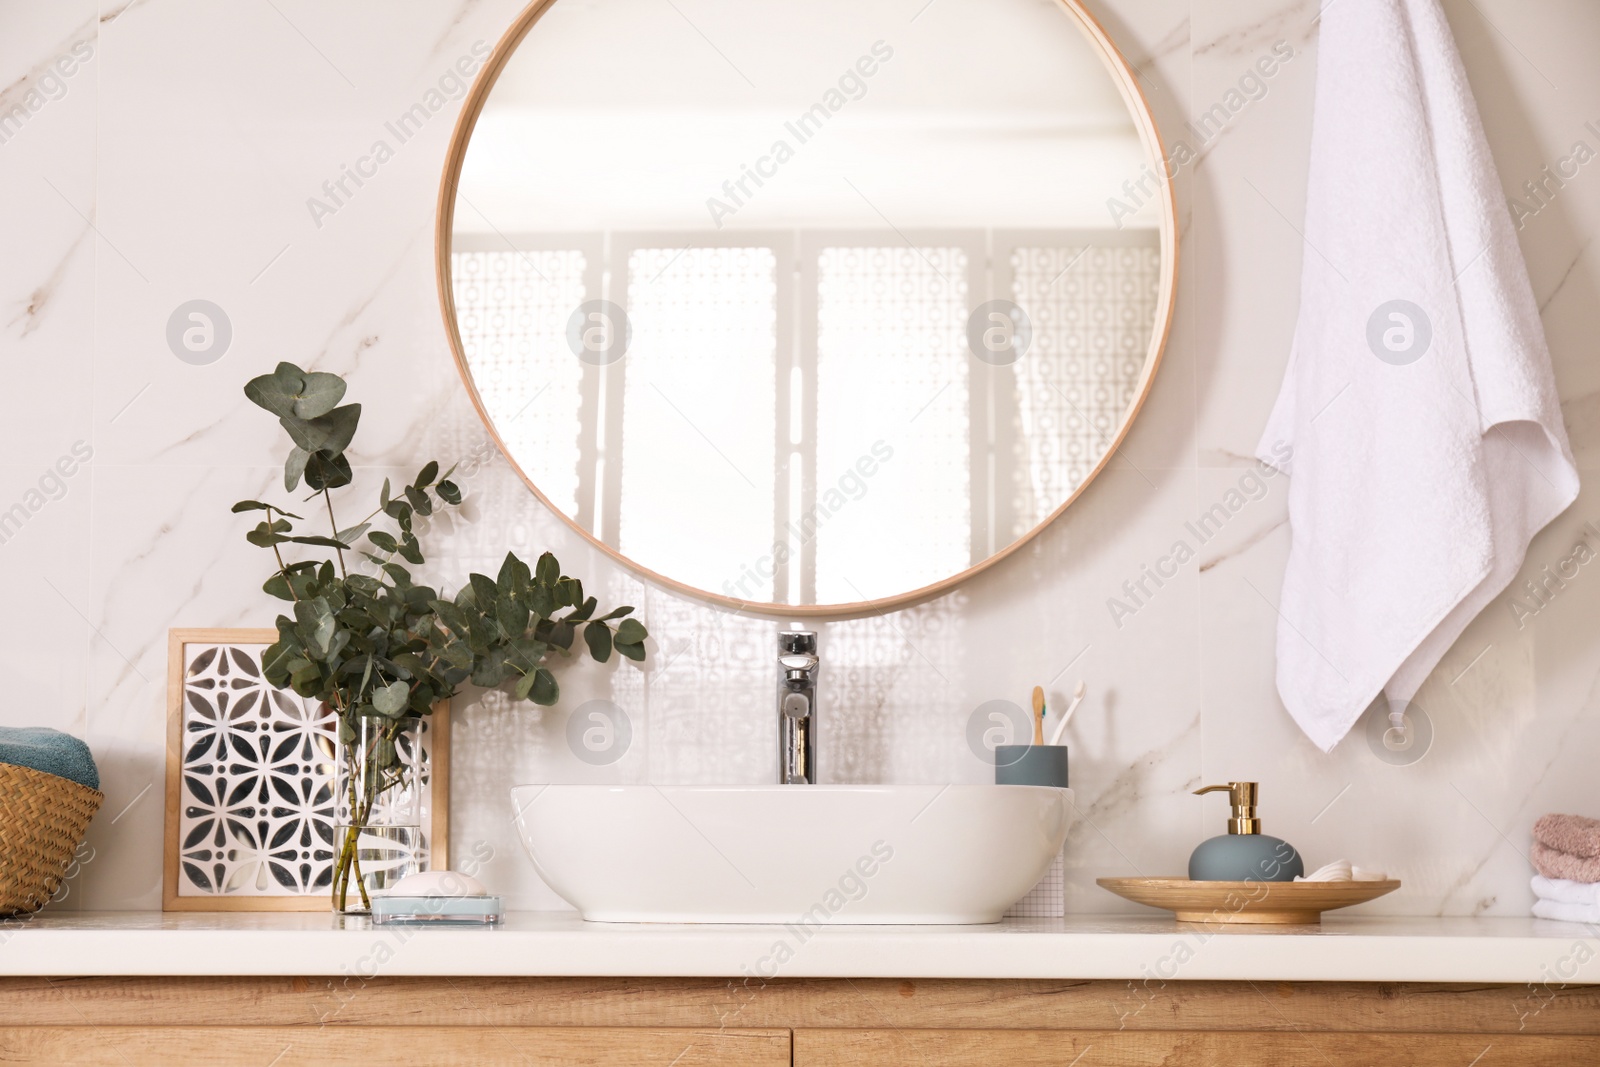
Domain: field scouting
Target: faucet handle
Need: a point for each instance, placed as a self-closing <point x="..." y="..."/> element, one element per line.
<point x="797" y="642"/>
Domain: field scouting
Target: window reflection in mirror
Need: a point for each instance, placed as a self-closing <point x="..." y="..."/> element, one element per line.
<point x="754" y="324"/>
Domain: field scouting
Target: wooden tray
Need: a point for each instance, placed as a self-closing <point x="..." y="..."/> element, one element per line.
<point x="1246" y="902"/>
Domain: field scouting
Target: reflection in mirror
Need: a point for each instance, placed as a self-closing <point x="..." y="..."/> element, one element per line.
<point x="810" y="303"/>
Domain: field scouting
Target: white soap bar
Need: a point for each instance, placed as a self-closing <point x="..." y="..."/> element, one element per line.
<point x="437" y="884"/>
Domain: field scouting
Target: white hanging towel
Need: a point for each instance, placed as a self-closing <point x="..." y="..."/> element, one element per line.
<point x="1418" y="412"/>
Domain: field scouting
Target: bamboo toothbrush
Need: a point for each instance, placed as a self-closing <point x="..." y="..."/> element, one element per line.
<point x="1066" y="716"/>
<point x="1038" y="714"/>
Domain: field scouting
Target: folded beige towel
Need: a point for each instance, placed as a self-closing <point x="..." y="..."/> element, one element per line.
<point x="1572" y="834"/>
<point x="1554" y="864"/>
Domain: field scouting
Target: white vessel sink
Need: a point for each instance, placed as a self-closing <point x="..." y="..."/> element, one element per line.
<point x="813" y="854"/>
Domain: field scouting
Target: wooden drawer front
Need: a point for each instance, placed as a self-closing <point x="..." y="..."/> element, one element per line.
<point x="1165" y="1048"/>
<point x="364" y="1046"/>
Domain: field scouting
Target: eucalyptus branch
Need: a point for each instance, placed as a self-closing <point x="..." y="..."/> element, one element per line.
<point x="418" y="645"/>
<point x="334" y="529"/>
<point x="283" y="568"/>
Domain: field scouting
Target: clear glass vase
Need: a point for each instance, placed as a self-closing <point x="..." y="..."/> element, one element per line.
<point x="377" y="834"/>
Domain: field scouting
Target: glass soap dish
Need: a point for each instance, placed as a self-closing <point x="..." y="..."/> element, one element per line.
<point x="443" y="911"/>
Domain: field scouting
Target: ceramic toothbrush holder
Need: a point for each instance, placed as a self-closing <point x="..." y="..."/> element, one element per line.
<point x="1041" y="765"/>
<point x="1031" y="765"/>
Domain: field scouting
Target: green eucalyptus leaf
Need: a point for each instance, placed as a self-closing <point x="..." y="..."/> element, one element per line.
<point x="266" y="534"/>
<point x="419" y="500"/>
<point x="279" y="587"/>
<point x="294" y="468"/>
<point x="390" y="700"/>
<point x="484" y="591"/>
<point x="633" y="652"/>
<point x="275" y="659"/>
<point x="514" y="575"/>
<point x="319" y="395"/>
<point x="305" y="680"/>
<point x="549" y="571"/>
<point x="561" y="635"/>
<point x="597" y="635"/>
<point x="449" y="492"/>
<point x="528" y="652"/>
<point x="353" y="534"/>
<point x="525" y="685"/>
<point x="318" y="539"/>
<point x="631" y="632"/>
<point x="347" y="732"/>
<point x="426" y="476"/>
<point x="544" y="691"/>
<point x="327" y="470"/>
<point x="583" y="612"/>
<point x="317" y="622"/>
<point x="491" y="670"/>
<point x="278" y="391"/>
<point x="410" y="549"/>
<point x="256" y="505"/>
<point x="384" y="541"/>
<point x="330" y="432"/>
<point x="513" y="615"/>
<point x="452" y="616"/>
<point x="290" y="392"/>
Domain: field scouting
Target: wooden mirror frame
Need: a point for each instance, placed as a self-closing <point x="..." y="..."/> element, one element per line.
<point x="444" y="225"/>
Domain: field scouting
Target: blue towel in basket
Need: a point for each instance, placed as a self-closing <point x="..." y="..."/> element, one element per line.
<point x="50" y="751"/>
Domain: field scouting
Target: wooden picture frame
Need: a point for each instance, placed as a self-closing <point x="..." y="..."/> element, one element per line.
<point x="180" y="703"/>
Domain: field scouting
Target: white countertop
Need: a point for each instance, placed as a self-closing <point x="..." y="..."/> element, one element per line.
<point x="557" y="943"/>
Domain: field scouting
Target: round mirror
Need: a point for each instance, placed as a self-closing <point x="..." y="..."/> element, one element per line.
<point x="807" y="306"/>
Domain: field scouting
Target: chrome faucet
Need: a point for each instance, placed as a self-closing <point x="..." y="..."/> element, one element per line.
<point x="797" y="708"/>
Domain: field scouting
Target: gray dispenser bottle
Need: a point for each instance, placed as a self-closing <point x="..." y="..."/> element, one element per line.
<point x="1244" y="853"/>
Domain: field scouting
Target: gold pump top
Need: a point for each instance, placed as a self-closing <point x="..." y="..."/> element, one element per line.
<point x="1242" y="795"/>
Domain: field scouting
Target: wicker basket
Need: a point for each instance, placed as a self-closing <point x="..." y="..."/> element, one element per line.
<point x="42" y="821"/>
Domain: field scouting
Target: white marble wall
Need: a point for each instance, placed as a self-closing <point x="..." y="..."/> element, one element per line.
<point x="175" y="162"/>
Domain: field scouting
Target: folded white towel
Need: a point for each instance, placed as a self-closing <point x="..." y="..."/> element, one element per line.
<point x="1425" y="438"/>
<point x="1567" y="913"/>
<point x="1566" y="891"/>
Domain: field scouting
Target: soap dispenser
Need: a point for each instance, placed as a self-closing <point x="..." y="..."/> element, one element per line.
<point x="1244" y="853"/>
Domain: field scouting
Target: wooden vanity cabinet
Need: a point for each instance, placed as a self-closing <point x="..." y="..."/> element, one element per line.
<point x="685" y="1022"/>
